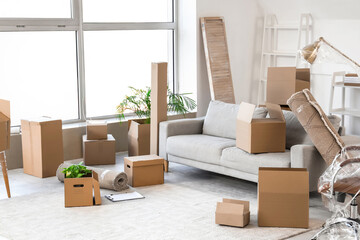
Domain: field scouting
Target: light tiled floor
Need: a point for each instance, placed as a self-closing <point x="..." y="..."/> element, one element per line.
<point x="22" y="184"/>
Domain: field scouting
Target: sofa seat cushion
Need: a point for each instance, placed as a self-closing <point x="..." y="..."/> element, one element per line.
<point x="200" y="147"/>
<point x="238" y="159"/>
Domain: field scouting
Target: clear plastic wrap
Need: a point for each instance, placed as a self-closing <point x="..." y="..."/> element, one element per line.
<point x="339" y="186"/>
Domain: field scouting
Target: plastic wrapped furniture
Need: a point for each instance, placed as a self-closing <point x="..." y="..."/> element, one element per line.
<point x="340" y="186"/>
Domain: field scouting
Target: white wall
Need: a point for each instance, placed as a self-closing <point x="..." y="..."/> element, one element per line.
<point x="243" y="22"/>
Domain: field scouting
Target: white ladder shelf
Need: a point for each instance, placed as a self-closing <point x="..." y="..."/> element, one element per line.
<point x="270" y="51"/>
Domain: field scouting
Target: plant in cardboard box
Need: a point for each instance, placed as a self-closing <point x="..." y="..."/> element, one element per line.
<point x="81" y="186"/>
<point x="140" y="103"/>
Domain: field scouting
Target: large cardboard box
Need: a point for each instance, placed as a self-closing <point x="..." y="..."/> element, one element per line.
<point x="282" y="82"/>
<point x="158" y="102"/>
<point x="260" y="135"/>
<point x="138" y="138"/>
<point x="232" y="212"/>
<point x="144" y="170"/>
<point x="283" y="197"/>
<point x="4" y="125"/>
<point x="96" y="130"/>
<point x="42" y="146"/>
<point x="83" y="191"/>
<point x="99" y="152"/>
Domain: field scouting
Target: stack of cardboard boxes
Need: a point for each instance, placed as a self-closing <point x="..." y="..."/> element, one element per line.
<point x="98" y="146"/>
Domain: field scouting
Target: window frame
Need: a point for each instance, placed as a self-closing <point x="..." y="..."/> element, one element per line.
<point x="76" y="24"/>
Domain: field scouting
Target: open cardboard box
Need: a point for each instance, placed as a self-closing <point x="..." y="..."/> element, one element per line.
<point x="138" y="137"/>
<point x="232" y="212"/>
<point x="96" y="130"/>
<point x="283" y="197"/>
<point x="282" y="82"/>
<point x="4" y="125"/>
<point x="259" y="135"/>
<point x="83" y="191"/>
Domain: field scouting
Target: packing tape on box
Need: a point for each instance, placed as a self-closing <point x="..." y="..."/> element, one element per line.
<point x="108" y="179"/>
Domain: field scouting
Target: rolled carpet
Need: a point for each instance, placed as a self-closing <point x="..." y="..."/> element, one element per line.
<point x="108" y="179"/>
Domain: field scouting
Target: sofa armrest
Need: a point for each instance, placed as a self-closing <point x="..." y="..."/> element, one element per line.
<point x="178" y="127"/>
<point x="307" y="156"/>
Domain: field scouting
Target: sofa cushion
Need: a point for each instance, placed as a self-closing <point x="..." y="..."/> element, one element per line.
<point x="238" y="159"/>
<point x="220" y="119"/>
<point x="200" y="147"/>
<point x="295" y="132"/>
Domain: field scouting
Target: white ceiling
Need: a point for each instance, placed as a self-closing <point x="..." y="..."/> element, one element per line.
<point x="289" y="10"/>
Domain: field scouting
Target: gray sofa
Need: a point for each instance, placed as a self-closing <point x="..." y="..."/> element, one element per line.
<point x="208" y="143"/>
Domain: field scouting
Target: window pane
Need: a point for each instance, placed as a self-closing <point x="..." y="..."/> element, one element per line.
<point x="35" y="9"/>
<point x="38" y="74"/>
<point x="127" y="11"/>
<point x="115" y="60"/>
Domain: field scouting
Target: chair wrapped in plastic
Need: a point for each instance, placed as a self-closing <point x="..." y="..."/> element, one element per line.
<point x="339" y="186"/>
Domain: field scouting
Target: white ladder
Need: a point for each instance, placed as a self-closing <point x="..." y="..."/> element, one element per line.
<point x="270" y="51"/>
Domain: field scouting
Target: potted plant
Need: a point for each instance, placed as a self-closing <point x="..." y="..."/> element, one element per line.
<point x="81" y="186"/>
<point x="139" y="102"/>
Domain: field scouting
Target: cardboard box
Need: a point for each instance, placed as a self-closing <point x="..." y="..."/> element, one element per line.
<point x="42" y="146"/>
<point x="96" y="130"/>
<point x="83" y="191"/>
<point x="138" y="138"/>
<point x="4" y="125"/>
<point x="282" y="82"/>
<point x="232" y="212"/>
<point x="158" y="102"/>
<point x="99" y="152"/>
<point x="260" y="135"/>
<point x="144" y="170"/>
<point x="283" y="197"/>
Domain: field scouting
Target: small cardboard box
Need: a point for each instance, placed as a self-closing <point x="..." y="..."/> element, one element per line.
<point x="4" y="125"/>
<point x="282" y="82"/>
<point x="283" y="197"/>
<point x="138" y="138"/>
<point x="96" y="130"/>
<point x="42" y="146"/>
<point x="263" y="134"/>
<point x="232" y="212"/>
<point x="83" y="191"/>
<point x="144" y="170"/>
<point x="99" y="152"/>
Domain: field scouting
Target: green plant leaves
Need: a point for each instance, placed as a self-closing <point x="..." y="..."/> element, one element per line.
<point x="76" y="171"/>
<point x="140" y="103"/>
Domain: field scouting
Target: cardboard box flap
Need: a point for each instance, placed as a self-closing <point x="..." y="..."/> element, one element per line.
<point x="96" y="186"/>
<point x="5" y="107"/>
<point x="246" y="204"/>
<point x="230" y="208"/>
<point x="275" y="111"/>
<point x="246" y="111"/>
<point x="303" y="74"/>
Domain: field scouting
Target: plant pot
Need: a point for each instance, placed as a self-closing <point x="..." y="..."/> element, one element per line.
<point x="138" y="137"/>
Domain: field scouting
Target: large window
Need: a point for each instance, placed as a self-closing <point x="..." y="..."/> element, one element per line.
<point x="74" y="60"/>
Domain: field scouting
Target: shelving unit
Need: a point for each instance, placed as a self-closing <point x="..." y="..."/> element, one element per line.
<point x="343" y="110"/>
<point x="270" y="49"/>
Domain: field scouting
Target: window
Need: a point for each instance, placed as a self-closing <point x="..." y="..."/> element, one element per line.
<point x="38" y="74"/>
<point x="118" y="59"/>
<point x="54" y="64"/>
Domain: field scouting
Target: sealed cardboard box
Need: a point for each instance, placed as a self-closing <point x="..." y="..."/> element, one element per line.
<point x="80" y="192"/>
<point x="99" y="152"/>
<point x="232" y="212"/>
<point x="42" y="146"/>
<point x="4" y="125"/>
<point x="138" y="138"/>
<point x="96" y="130"/>
<point x="144" y="170"/>
<point x="260" y="135"/>
<point x="282" y="82"/>
<point x="283" y="197"/>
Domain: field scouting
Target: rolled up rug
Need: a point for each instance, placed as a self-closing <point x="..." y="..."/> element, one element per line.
<point x="108" y="179"/>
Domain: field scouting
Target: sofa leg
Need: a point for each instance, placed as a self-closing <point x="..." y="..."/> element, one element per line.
<point x="166" y="165"/>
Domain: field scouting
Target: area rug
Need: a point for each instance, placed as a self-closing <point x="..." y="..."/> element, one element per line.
<point x="169" y="211"/>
